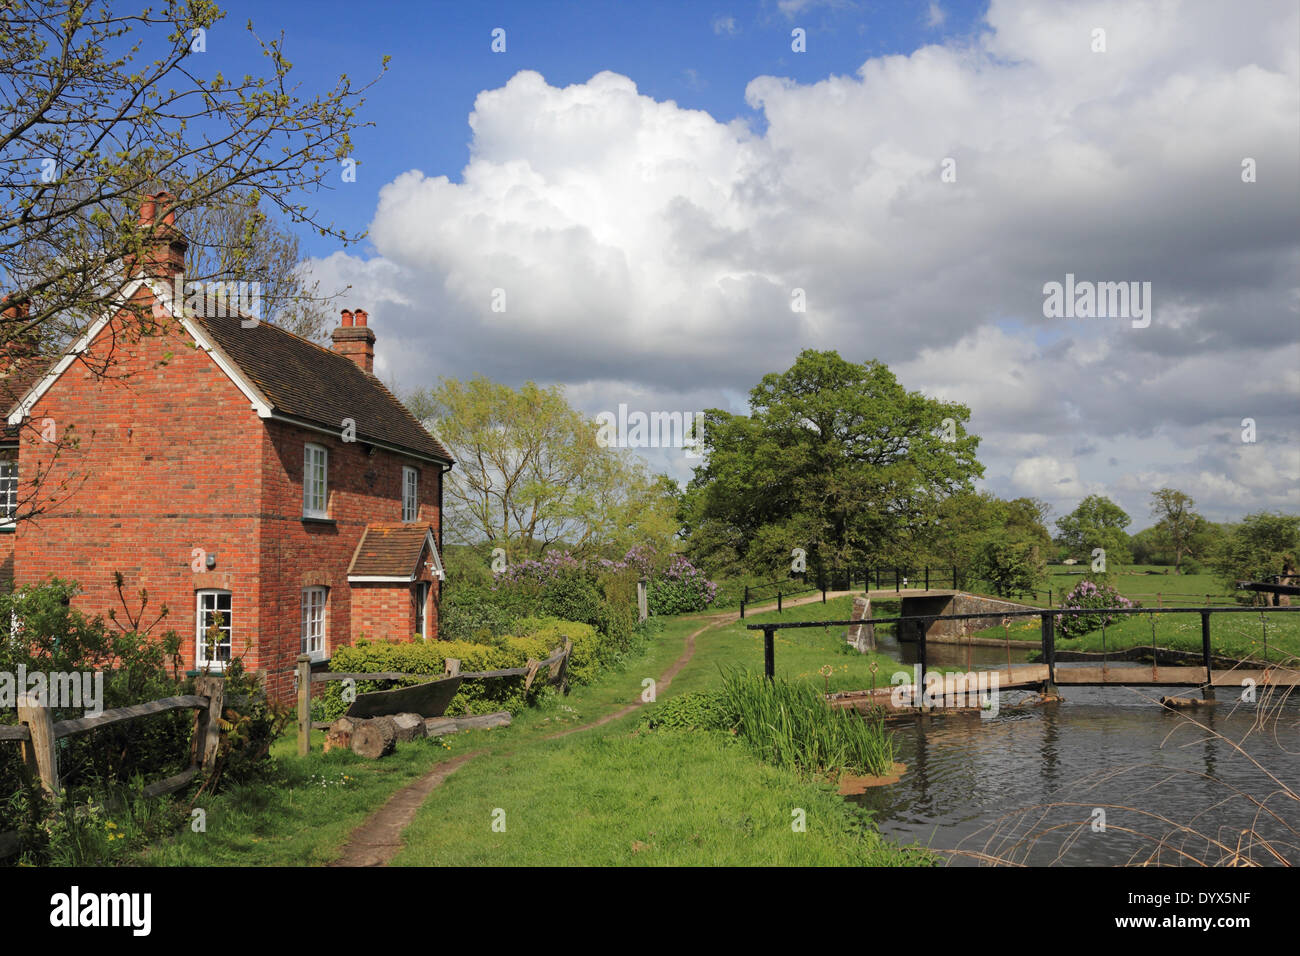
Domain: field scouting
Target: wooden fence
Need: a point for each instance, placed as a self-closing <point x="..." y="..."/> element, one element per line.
<point x="557" y="674"/>
<point x="38" y="734"/>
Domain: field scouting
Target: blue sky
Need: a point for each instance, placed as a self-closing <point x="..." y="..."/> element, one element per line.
<point x="699" y="55"/>
<point x="651" y="186"/>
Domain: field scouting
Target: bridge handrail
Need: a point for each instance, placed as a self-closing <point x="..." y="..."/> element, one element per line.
<point x="1035" y="612"/>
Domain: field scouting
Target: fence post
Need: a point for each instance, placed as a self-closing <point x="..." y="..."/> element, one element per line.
<point x="1049" y="649"/>
<point x="1159" y="601"/>
<point x="778" y="602"/>
<point x="927" y="577"/>
<point x="207" y="726"/>
<point x="769" y="652"/>
<point x="742" y="610"/>
<point x="304" y="705"/>
<point x="1207" y="692"/>
<point x="918" y="697"/>
<point x="642" y="601"/>
<point x="954" y="578"/>
<point x="823" y="595"/>
<point x="898" y="581"/>
<point x="40" y="753"/>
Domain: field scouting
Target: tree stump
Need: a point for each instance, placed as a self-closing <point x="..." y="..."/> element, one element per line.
<point x="409" y="727"/>
<point x="340" y="733"/>
<point x="375" y="738"/>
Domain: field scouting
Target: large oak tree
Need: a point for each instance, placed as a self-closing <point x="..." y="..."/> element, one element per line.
<point x="835" y="458"/>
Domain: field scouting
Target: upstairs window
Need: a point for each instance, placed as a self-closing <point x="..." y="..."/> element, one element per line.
<point x="410" y="494"/>
<point x="314" y="486"/>
<point x="214" y="619"/>
<point x="8" y="491"/>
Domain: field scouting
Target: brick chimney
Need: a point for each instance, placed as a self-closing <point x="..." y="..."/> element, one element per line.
<point x="164" y="249"/>
<point x="14" y="311"/>
<point x="356" y="340"/>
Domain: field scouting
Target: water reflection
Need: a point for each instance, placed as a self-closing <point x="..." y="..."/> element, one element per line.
<point x="1108" y="749"/>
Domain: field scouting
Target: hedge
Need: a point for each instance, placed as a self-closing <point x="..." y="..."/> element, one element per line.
<point x="475" y="696"/>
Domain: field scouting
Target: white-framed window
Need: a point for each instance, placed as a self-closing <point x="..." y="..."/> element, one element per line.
<point x="8" y="491"/>
<point x="421" y="606"/>
<point x="313" y="623"/>
<point x="410" y="493"/>
<point x="214" y="607"/>
<point x="315" y="488"/>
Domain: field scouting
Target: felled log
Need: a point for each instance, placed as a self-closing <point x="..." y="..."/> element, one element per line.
<point x="375" y="738"/>
<point x="339" y="733"/>
<point x="409" y="727"/>
<point x="1186" y="703"/>
<point x="438" y="726"/>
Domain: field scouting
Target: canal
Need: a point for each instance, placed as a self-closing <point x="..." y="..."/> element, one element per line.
<point x="1099" y="779"/>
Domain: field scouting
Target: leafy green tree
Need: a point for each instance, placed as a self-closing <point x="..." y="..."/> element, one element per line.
<point x="835" y="458"/>
<point x="1011" y="567"/>
<point x="1178" y="526"/>
<point x="1265" y="544"/>
<point x="530" y="475"/>
<point x="1096" y="523"/>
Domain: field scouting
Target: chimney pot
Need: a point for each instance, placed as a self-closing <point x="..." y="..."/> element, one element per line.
<point x="355" y="341"/>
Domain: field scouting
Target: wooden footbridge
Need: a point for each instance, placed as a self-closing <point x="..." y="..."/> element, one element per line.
<point x="1048" y="675"/>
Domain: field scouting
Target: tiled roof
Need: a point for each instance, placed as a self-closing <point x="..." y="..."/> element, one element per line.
<point x="307" y="381"/>
<point x="389" y="550"/>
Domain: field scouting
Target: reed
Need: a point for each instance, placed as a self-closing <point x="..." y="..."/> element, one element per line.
<point x="791" y="725"/>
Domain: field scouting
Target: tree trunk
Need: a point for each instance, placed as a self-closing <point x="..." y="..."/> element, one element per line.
<point x="409" y="727"/>
<point x="340" y="733"/>
<point x="375" y="738"/>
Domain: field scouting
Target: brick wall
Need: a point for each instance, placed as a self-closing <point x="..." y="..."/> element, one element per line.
<point x="169" y="458"/>
<point x="165" y="462"/>
<point x="362" y="489"/>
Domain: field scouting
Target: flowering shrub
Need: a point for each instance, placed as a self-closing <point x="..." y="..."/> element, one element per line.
<point x="566" y="588"/>
<point x="1087" y="594"/>
<point x="681" y="588"/>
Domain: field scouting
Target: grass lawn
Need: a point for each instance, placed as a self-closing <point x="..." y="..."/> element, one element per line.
<point x="616" y="796"/>
<point x="608" y="795"/>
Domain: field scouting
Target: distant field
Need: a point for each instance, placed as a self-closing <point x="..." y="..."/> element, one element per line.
<point x="1150" y="586"/>
<point x="1275" y="637"/>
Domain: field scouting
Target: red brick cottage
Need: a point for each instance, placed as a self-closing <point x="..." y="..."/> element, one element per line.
<point x="230" y="468"/>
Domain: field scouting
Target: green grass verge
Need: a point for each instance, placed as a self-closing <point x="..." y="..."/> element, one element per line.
<point x="610" y="798"/>
<point x="607" y="795"/>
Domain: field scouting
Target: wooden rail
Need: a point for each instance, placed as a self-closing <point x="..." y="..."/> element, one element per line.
<point x="557" y="665"/>
<point x="1203" y="676"/>
<point x="38" y="734"/>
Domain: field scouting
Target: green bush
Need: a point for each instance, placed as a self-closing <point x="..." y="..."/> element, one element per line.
<point x="50" y="636"/>
<point x="699" y="710"/>
<point x="428" y="657"/>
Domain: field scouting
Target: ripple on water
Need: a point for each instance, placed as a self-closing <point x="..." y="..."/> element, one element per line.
<point x="970" y="779"/>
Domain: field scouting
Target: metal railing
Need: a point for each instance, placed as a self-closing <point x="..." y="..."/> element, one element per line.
<point x="1048" y="631"/>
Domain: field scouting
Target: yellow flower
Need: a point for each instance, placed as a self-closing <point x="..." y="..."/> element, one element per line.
<point x="111" y="825"/>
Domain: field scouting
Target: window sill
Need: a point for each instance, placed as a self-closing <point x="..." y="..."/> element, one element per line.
<point x="8" y="527"/>
<point x="307" y="519"/>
